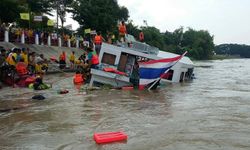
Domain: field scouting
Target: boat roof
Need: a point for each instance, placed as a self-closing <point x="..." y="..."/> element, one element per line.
<point x="164" y="54"/>
<point x="158" y="54"/>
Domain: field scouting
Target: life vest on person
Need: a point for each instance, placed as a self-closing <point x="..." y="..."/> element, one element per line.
<point x="78" y="79"/>
<point x="98" y="39"/>
<point x="95" y="59"/>
<point x="38" y="68"/>
<point x="122" y="29"/>
<point x="10" y="59"/>
<point x="25" y="58"/>
<point x="62" y="57"/>
<point x="21" y="68"/>
<point x="141" y="36"/>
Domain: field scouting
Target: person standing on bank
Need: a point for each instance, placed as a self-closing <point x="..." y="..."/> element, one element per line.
<point x="62" y="60"/>
<point x="98" y="42"/>
<point x="122" y="31"/>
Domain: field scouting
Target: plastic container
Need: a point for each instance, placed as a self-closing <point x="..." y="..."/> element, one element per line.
<point x="108" y="137"/>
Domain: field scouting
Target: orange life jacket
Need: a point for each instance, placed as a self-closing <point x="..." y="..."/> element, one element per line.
<point x="95" y="59"/>
<point x="98" y="39"/>
<point x="62" y="57"/>
<point x="122" y="29"/>
<point x="21" y="68"/>
<point x="78" y="78"/>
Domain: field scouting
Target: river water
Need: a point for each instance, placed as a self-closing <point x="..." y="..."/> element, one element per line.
<point x="212" y="112"/>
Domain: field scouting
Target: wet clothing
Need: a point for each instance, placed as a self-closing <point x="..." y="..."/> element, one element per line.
<point x="39" y="85"/>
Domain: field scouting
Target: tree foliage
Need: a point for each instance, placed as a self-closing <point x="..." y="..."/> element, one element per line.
<point x="199" y="44"/>
<point x="11" y="8"/>
<point x="101" y="15"/>
<point x="233" y="49"/>
<point x="38" y="6"/>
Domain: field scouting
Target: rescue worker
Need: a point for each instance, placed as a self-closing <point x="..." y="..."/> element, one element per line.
<point x="62" y="60"/>
<point x="141" y="36"/>
<point x="122" y="31"/>
<point x="11" y="59"/>
<point x="22" y="68"/>
<point x="98" y="42"/>
<point x="93" y="59"/>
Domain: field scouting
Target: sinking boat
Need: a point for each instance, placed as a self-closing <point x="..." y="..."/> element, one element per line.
<point x="117" y="63"/>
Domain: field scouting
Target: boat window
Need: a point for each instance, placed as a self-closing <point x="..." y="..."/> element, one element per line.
<point x="108" y="59"/>
<point x="122" y="62"/>
<point x="126" y="63"/>
<point x="168" y="75"/>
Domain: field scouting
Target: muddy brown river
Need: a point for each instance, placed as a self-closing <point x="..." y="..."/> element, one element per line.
<point x="212" y="112"/>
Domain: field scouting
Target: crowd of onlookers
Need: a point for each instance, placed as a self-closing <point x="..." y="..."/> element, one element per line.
<point x="15" y="35"/>
<point x="19" y="63"/>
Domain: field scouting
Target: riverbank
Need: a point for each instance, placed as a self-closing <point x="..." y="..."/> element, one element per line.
<point x="221" y="57"/>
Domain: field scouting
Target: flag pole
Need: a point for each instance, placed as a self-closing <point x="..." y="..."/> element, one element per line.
<point x="166" y="72"/>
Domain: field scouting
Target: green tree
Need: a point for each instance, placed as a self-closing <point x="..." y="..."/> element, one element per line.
<point x="38" y="6"/>
<point x="153" y="37"/>
<point x="233" y="49"/>
<point x="9" y="10"/>
<point x="199" y="43"/>
<point x="132" y="29"/>
<point x="101" y="15"/>
<point x="62" y="7"/>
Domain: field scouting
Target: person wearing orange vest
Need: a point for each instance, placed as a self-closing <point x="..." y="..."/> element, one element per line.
<point x="98" y="42"/>
<point x="62" y="60"/>
<point x="78" y="78"/>
<point x="22" y="68"/>
<point x="93" y="59"/>
<point x="122" y="31"/>
<point x="141" y="36"/>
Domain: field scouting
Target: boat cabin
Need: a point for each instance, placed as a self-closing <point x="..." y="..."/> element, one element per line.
<point x="122" y="58"/>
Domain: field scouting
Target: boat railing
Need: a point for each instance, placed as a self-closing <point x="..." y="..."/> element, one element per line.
<point x="140" y="47"/>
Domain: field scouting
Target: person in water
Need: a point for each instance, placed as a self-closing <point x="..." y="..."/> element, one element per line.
<point x="39" y="85"/>
<point x="78" y="78"/>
